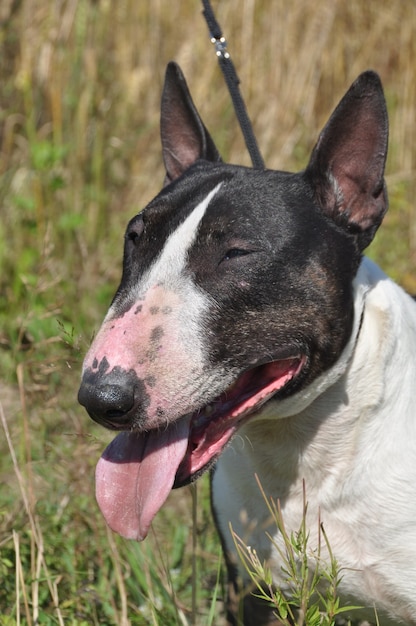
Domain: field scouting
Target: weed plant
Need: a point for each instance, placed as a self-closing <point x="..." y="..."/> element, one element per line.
<point x="80" y="85"/>
<point x="312" y="599"/>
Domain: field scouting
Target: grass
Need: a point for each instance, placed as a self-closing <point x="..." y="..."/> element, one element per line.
<point x="79" y="155"/>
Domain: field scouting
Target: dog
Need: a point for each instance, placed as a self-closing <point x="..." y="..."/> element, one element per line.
<point x="246" y="306"/>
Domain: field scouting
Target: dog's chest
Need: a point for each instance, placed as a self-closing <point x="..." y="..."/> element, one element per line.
<point x="313" y="509"/>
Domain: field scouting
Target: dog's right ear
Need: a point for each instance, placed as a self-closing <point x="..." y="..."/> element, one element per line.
<point x="346" y="169"/>
<point x="184" y="136"/>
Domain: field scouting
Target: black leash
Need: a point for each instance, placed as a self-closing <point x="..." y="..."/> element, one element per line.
<point x="232" y="80"/>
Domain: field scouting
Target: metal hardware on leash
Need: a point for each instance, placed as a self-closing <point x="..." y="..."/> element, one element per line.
<point x="233" y="82"/>
<point x="221" y="47"/>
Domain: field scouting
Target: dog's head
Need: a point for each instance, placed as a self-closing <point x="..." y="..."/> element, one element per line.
<point x="236" y="293"/>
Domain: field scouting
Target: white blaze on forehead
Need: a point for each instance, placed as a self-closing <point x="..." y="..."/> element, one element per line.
<point x="166" y="284"/>
<point x="171" y="261"/>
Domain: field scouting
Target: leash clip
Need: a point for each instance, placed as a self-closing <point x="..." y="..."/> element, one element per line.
<point x="220" y="47"/>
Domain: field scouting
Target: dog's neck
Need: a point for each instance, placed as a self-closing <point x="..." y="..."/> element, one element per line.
<point x="352" y="391"/>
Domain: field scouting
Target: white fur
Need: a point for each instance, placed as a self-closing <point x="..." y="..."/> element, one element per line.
<point x="351" y="439"/>
<point x="170" y="264"/>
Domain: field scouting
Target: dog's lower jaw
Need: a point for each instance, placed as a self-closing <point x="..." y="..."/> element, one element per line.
<point x="212" y="427"/>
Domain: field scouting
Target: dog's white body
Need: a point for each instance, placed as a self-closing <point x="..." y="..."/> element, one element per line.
<point x="365" y="411"/>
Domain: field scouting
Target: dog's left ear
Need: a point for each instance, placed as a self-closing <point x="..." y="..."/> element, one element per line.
<point x="346" y="168"/>
<point x="184" y="136"/>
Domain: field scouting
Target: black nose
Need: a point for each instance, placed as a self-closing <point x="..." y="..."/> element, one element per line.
<point x="109" y="398"/>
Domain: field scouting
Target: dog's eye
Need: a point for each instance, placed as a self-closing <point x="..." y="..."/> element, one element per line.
<point x="135" y="229"/>
<point x="234" y="252"/>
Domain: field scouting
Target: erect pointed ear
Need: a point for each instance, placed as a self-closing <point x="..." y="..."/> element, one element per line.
<point x="184" y="136"/>
<point x="346" y="168"/>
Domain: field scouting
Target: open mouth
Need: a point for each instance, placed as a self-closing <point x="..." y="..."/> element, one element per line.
<point x="138" y="470"/>
<point x="213" y="426"/>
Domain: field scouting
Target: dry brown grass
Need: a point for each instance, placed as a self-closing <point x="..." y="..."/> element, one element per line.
<point x="87" y="75"/>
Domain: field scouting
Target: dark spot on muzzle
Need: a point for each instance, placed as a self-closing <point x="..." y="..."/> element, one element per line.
<point x="155" y="343"/>
<point x="115" y="398"/>
<point x="156" y="335"/>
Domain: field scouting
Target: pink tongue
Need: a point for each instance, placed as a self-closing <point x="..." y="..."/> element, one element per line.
<point x="135" y="475"/>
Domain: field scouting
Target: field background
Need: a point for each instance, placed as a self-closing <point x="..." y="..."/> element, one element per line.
<point x="80" y="83"/>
